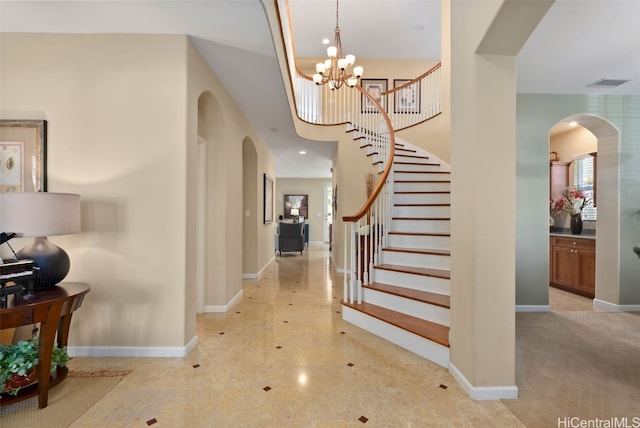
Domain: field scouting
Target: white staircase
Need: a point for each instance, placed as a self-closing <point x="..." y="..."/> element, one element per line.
<point x="407" y="298"/>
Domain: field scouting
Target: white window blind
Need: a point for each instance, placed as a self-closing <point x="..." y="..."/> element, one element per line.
<point x="583" y="179"/>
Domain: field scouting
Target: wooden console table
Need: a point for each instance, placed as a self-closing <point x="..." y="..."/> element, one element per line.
<point x="52" y="308"/>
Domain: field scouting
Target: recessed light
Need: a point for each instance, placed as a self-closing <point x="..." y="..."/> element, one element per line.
<point x="325" y="41"/>
<point x="302" y="152"/>
<point x="573" y="123"/>
<point x="274" y="130"/>
<point x="419" y="27"/>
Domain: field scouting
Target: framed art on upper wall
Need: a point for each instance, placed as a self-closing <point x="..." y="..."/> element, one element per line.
<point x="376" y="88"/>
<point x="407" y="98"/>
<point x="268" y="200"/>
<point x="299" y="202"/>
<point x="23" y="155"/>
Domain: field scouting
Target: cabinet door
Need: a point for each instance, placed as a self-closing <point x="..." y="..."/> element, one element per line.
<point x="586" y="271"/>
<point x="563" y="263"/>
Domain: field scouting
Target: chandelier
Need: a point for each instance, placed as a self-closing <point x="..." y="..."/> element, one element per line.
<point x="335" y="70"/>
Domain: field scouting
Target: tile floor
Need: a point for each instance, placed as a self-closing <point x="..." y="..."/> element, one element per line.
<point x="283" y="357"/>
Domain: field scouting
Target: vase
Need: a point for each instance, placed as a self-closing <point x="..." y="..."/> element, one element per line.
<point x="576" y="224"/>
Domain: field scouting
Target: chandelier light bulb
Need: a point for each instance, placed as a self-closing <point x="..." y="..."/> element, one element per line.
<point x="342" y="63"/>
<point x="320" y="67"/>
<point x="327" y="65"/>
<point x="351" y="81"/>
<point x="332" y="51"/>
<point x="351" y="59"/>
<point x="357" y="71"/>
<point x="317" y="79"/>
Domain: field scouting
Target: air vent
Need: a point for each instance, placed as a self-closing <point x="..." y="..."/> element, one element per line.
<point x="606" y="83"/>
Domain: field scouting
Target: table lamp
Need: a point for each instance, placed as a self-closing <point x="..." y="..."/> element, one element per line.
<point x="295" y="212"/>
<point x="38" y="215"/>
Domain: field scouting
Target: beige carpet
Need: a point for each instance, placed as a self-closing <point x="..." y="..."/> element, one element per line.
<point x="583" y="364"/>
<point x="67" y="401"/>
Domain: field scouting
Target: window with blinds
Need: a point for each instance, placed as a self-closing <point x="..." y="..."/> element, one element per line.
<point x="584" y="179"/>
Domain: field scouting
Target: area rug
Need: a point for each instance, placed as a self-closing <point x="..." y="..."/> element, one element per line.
<point x="67" y="401"/>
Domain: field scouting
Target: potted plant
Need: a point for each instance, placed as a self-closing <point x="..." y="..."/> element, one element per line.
<point x="18" y="364"/>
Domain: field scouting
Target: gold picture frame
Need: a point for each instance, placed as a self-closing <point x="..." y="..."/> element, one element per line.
<point x="23" y="155"/>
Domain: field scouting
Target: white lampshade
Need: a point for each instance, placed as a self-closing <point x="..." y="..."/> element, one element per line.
<point x="357" y="71"/>
<point x="317" y="78"/>
<point x="295" y="211"/>
<point x="351" y="59"/>
<point x="320" y="67"/>
<point x="34" y="214"/>
<point x="332" y="51"/>
<point x="342" y="63"/>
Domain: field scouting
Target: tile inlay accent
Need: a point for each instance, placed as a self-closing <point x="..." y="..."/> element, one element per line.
<point x="363" y="419"/>
<point x="195" y="366"/>
<point x="267" y="388"/>
<point x="350" y="364"/>
<point x="152" y="421"/>
<point x="443" y="386"/>
<point x="278" y="347"/>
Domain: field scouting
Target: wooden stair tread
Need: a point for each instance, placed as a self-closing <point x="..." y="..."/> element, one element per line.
<point x="412" y="156"/>
<point x="418" y="251"/>
<point x="422" y="218"/>
<point x="436" y="273"/>
<point x="419" y="233"/>
<point x="409" y="293"/>
<point x="426" y="192"/>
<point x="414" y="163"/>
<point x="423" y="172"/>
<point x="423" y="181"/>
<point x="421" y="205"/>
<point x="429" y="330"/>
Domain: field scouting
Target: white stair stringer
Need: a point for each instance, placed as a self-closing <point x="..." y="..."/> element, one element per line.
<point x="432" y="351"/>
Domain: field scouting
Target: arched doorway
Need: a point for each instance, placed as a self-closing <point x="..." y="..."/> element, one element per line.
<point x="597" y="137"/>
<point x="251" y="212"/>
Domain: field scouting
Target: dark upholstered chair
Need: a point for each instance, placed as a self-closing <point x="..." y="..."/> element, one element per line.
<point x="291" y="237"/>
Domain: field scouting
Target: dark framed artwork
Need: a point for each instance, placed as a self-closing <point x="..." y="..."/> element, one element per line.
<point x="376" y="88"/>
<point x="268" y="199"/>
<point x="300" y="202"/>
<point x="23" y="155"/>
<point x="406" y="99"/>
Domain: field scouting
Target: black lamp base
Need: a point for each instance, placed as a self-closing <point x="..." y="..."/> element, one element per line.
<point x="52" y="260"/>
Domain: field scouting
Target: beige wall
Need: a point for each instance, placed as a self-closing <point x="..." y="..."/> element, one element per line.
<point x="314" y="187"/>
<point x="122" y="114"/>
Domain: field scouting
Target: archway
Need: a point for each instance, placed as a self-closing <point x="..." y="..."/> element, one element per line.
<point x="607" y="280"/>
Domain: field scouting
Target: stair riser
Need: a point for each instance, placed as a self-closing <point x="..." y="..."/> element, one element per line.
<point x="436" y="176"/>
<point x="422" y="187"/>
<point x="416" y="282"/>
<point x="421" y="226"/>
<point x="422" y="211"/>
<point x="422" y="310"/>
<point x="413" y="241"/>
<point x="416" y="260"/>
<point x="413" y="167"/>
<point x="418" y="345"/>
<point x="422" y="198"/>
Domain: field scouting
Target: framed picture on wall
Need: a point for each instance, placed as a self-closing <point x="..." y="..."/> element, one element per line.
<point x="268" y="199"/>
<point x="23" y="155"/>
<point x="376" y="88"/>
<point x="296" y="202"/>
<point x="407" y="98"/>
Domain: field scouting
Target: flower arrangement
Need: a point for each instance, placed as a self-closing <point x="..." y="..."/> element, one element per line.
<point x="572" y="202"/>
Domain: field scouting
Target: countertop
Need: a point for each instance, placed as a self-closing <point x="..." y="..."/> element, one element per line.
<point x="566" y="233"/>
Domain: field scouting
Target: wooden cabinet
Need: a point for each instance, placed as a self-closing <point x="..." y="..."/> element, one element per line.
<point x="573" y="265"/>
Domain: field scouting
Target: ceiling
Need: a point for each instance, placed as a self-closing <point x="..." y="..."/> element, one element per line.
<point x="577" y="43"/>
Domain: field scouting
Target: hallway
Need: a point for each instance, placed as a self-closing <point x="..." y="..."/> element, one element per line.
<point x="283" y="357"/>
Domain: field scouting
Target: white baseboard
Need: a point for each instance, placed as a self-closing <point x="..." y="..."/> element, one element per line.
<point x="260" y="272"/>
<point x="533" y="308"/>
<point x="601" y="304"/>
<point x="224" y="308"/>
<point x="483" y="392"/>
<point x="133" y="351"/>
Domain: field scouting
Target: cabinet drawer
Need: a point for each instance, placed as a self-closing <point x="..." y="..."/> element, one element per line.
<point x="583" y="244"/>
